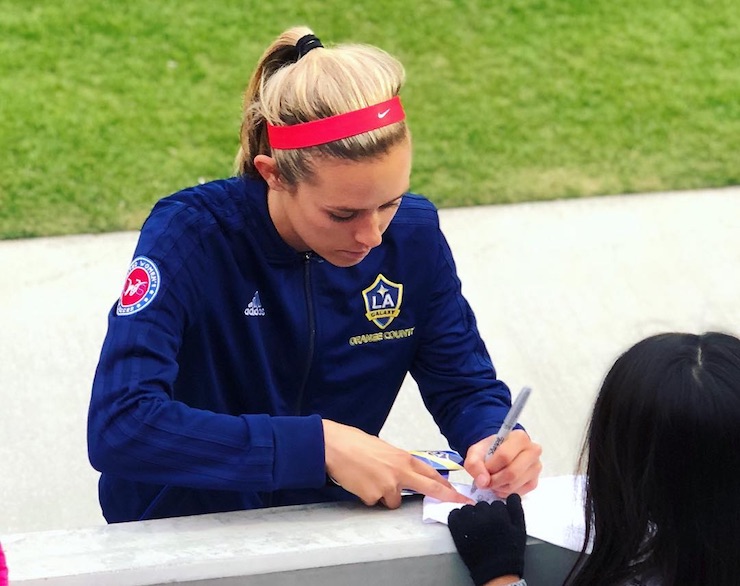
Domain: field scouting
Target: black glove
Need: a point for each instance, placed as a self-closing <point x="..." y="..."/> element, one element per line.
<point x="490" y="538"/>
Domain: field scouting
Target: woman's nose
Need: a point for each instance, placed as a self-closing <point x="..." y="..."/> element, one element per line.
<point x="369" y="232"/>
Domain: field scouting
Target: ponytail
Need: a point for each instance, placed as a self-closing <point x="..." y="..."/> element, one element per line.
<point x="285" y="90"/>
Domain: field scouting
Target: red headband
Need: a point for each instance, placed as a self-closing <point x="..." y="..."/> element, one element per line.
<point x="316" y="132"/>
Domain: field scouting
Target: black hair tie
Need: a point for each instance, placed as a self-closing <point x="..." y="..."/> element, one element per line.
<point x="307" y="43"/>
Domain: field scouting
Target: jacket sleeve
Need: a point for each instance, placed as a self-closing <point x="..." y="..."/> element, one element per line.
<point x="452" y="367"/>
<point x="136" y="429"/>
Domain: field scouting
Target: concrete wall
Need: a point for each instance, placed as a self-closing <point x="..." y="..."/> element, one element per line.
<point x="322" y="545"/>
<point x="558" y="288"/>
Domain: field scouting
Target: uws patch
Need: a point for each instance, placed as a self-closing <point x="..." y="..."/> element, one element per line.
<point x="140" y="288"/>
<point x="382" y="301"/>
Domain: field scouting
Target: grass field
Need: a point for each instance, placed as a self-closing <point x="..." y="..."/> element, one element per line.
<point x="107" y="106"/>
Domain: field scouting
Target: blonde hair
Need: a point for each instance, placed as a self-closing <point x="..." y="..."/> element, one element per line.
<point x="324" y="82"/>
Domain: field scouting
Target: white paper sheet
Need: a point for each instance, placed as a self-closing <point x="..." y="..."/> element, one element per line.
<point x="553" y="511"/>
<point x="434" y="511"/>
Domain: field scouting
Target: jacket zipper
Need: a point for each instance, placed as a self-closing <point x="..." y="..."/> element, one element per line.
<point x="311" y="329"/>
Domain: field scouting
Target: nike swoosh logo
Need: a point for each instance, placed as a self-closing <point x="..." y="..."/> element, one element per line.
<point x="383" y="114"/>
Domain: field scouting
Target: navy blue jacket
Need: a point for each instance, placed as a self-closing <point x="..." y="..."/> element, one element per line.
<point x="227" y="348"/>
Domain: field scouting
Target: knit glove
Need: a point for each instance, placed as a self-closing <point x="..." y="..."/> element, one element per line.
<point x="490" y="538"/>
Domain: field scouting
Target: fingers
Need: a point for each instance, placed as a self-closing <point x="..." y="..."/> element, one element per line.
<point x="515" y="510"/>
<point x="434" y="486"/>
<point x="376" y="471"/>
<point x="442" y="491"/>
<point x="507" y="490"/>
<point x="393" y="500"/>
<point x="425" y="480"/>
<point x="474" y="462"/>
<point x="520" y="474"/>
<point x="516" y="446"/>
<point x="514" y="467"/>
<point x="484" y="513"/>
<point x="431" y="483"/>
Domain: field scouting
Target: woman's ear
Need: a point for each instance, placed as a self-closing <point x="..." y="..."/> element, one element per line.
<point x="267" y="168"/>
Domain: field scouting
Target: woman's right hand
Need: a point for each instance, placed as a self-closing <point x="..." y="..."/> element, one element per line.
<point x="376" y="471"/>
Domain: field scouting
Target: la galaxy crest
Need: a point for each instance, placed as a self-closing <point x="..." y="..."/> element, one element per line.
<point x="382" y="301"/>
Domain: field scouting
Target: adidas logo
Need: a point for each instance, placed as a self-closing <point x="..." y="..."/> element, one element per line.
<point x="255" y="306"/>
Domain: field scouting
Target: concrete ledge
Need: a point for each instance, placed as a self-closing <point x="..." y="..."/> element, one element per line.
<point x="334" y="543"/>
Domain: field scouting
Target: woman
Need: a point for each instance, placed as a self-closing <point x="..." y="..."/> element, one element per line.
<point x="268" y="320"/>
<point x="662" y="475"/>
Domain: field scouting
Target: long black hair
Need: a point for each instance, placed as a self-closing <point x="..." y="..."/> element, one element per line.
<point x="663" y="465"/>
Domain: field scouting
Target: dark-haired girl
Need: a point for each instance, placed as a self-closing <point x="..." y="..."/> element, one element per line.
<point x="662" y="457"/>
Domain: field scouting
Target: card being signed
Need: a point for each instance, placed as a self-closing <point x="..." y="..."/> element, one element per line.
<point x="443" y="461"/>
<point x="435" y="511"/>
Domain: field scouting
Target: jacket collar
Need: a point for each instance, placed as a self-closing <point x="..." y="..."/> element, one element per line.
<point x="261" y="226"/>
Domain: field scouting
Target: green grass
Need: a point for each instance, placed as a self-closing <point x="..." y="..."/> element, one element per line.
<point x="107" y="106"/>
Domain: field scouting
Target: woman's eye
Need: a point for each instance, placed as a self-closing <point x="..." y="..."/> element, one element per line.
<point x="341" y="218"/>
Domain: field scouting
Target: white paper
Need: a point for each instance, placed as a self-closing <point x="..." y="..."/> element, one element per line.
<point x="434" y="511"/>
<point x="553" y="511"/>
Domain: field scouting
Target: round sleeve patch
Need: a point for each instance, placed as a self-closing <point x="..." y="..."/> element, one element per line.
<point x="140" y="288"/>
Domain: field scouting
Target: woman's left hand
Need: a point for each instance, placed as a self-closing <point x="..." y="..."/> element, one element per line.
<point x="514" y="467"/>
<point x="491" y="539"/>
